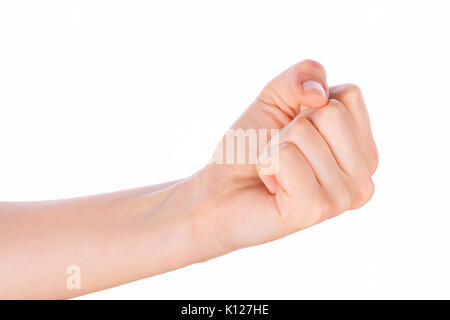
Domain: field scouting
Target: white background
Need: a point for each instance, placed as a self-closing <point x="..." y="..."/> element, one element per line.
<point x="98" y="96"/>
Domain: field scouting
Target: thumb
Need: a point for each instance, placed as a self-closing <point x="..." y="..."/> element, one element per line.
<point x="304" y="83"/>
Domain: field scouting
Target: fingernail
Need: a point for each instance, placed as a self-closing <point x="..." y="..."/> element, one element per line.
<point x="312" y="87"/>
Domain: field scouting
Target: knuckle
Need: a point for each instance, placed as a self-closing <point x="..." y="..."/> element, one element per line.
<point x="343" y="201"/>
<point x="339" y="200"/>
<point x="352" y="92"/>
<point x="332" y="112"/>
<point x="311" y="64"/>
<point x="372" y="159"/>
<point x="301" y="128"/>
<point x="368" y="190"/>
<point x="364" y="191"/>
<point x="323" y="209"/>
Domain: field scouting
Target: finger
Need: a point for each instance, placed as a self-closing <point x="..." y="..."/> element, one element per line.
<point x="302" y="133"/>
<point x="304" y="83"/>
<point x="350" y="95"/>
<point x="296" y="186"/>
<point x="336" y="126"/>
<point x="292" y="169"/>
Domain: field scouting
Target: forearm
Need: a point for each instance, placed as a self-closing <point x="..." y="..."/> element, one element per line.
<point x="114" y="238"/>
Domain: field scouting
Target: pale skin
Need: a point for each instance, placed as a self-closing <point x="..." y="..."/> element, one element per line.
<point x="326" y="157"/>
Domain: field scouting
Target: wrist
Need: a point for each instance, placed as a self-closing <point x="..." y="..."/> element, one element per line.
<point x="194" y="204"/>
<point x="173" y="232"/>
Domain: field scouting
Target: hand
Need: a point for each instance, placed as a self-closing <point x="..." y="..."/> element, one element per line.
<point x="324" y="157"/>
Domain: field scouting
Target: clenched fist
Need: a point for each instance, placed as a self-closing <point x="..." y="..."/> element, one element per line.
<point x="317" y="162"/>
